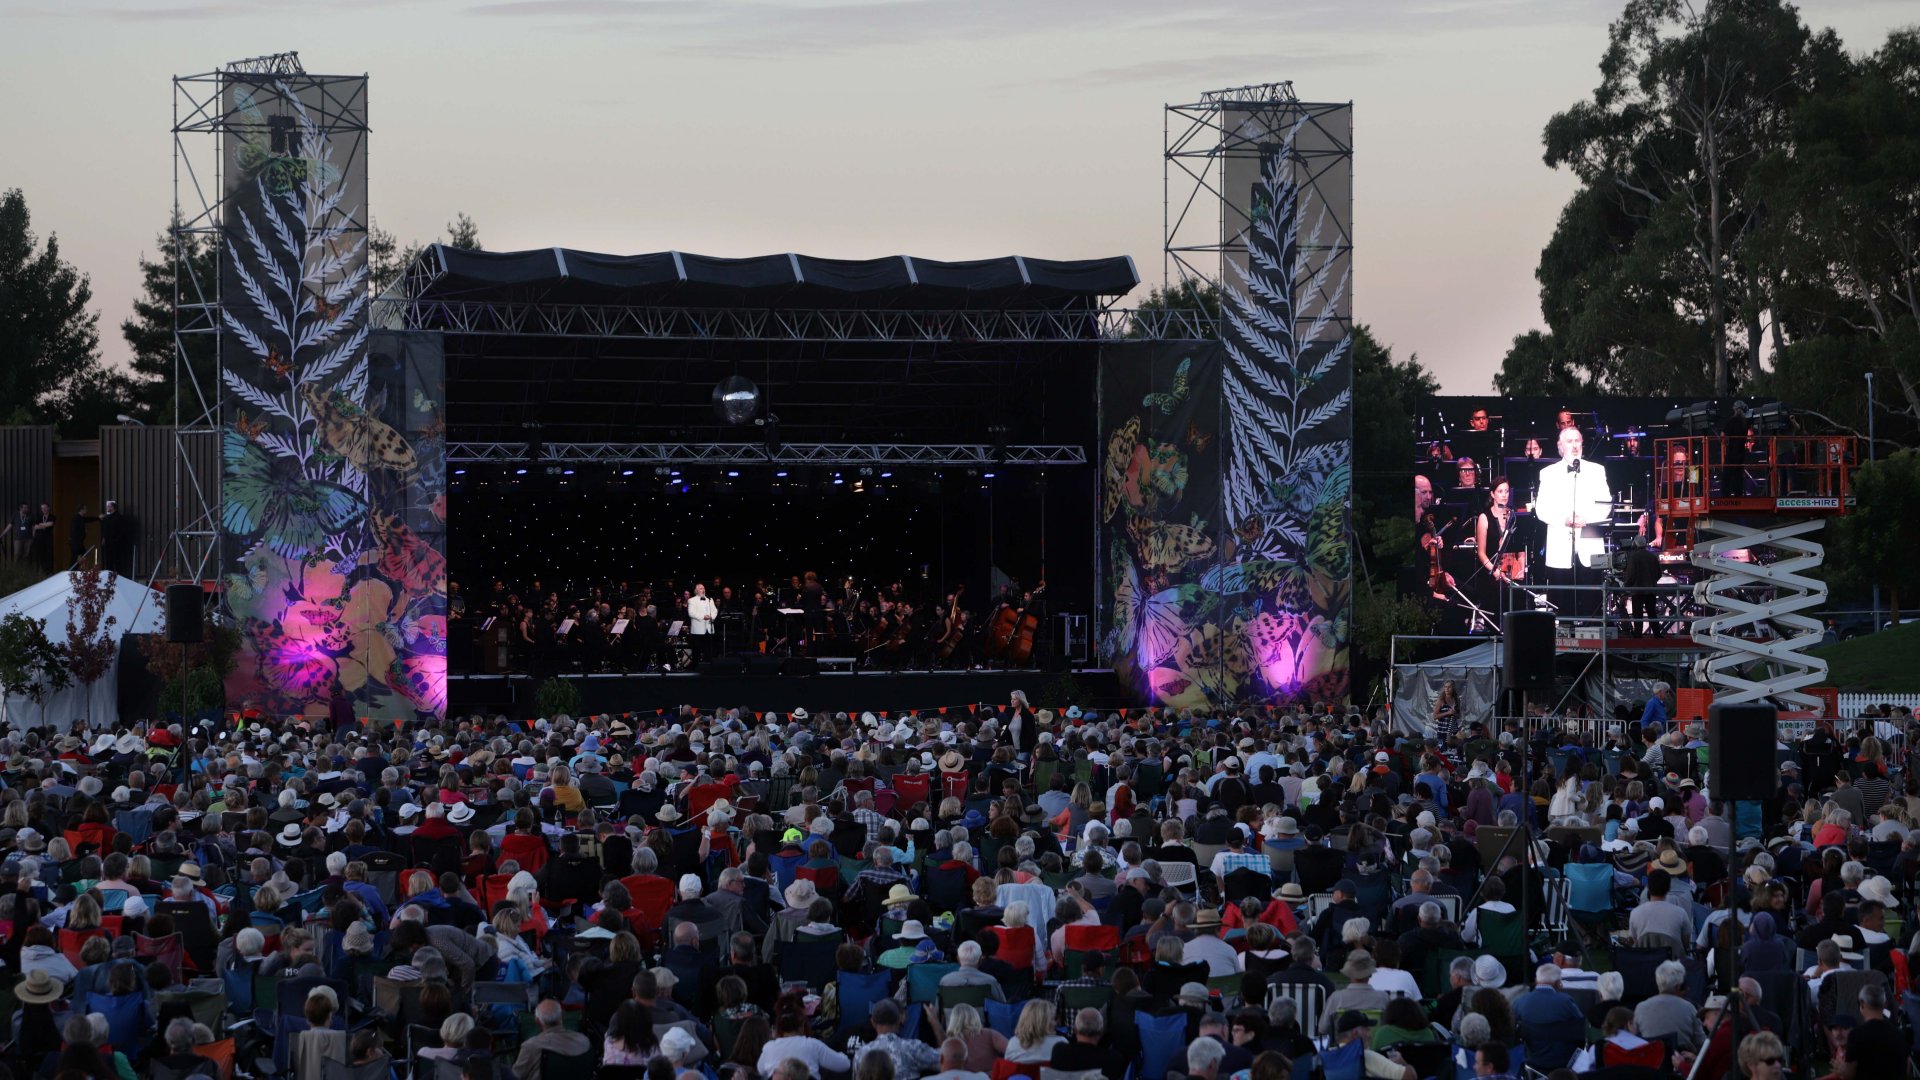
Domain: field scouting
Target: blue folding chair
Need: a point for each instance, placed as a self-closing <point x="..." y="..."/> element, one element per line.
<point x="858" y="992"/>
<point x="1003" y="1016"/>
<point x="1344" y="1062"/>
<point x="1162" y="1038"/>
<point x="129" y="1022"/>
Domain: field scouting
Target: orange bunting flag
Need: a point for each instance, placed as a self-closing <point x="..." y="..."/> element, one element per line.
<point x="943" y="710"/>
<point x="973" y="708"/>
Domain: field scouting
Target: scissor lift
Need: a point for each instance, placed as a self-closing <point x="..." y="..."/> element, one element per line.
<point x="1749" y="525"/>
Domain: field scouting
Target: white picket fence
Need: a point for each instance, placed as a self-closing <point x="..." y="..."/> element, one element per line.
<point x="1854" y="704"/>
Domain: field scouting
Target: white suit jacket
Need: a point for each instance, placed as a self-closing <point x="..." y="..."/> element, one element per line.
<point x="701" y="611"/>
<point x="1563" y="495"/>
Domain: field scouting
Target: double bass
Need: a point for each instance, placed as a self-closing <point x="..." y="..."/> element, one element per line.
<point x="1011" y="635"/>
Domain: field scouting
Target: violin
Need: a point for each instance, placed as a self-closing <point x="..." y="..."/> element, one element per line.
<point x="1439" y="582"/>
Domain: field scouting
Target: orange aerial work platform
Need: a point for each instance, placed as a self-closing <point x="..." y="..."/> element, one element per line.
<point x="1747" y="511"/>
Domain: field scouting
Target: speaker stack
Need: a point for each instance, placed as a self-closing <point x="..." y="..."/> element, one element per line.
<point x="1529" y="650"/>
<point x="1740" y="755"/>
<point x="184" y="614"/>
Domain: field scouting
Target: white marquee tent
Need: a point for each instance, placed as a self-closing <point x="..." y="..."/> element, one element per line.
<point x="136" y="610"/>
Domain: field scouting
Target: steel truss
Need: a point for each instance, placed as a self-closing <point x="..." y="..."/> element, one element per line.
<point x="506" y="453"/>
<point x="1756" y="597"/>
<point x="200" y="110"/>
<point x="785" y="324"/>
<point x="1202" y="223"/>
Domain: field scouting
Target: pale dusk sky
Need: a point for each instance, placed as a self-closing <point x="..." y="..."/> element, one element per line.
<point x="940" y="128"/>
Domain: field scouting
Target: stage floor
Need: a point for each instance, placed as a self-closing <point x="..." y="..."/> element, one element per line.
<point x="513" y="695"/>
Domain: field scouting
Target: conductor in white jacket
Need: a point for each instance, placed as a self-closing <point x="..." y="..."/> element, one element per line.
<point x="1574" y="506"/>
<point x="701" y="611"/>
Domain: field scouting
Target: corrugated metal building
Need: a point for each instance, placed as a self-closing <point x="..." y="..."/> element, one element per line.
<point x="130" y="464"/>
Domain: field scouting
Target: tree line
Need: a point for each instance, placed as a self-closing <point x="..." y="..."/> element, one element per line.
<point x="1747" y="219"/>
<point x="51" y="370"/>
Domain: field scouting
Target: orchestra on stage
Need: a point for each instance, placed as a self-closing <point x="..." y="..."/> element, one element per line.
<point x="672" y="626"/>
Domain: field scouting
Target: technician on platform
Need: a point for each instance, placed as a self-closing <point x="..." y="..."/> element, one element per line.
<point x="1574" y="506"/>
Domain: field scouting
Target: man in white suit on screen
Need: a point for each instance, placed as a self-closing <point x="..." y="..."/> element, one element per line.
<point x="1574" y="506"/>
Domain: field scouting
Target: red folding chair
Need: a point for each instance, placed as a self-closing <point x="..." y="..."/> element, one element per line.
<point x="70" y="941"/>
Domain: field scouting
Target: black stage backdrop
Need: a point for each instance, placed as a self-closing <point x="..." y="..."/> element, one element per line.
<point x="930" y="531"/>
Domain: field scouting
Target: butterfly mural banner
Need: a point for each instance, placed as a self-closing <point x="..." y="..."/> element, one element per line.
<point x="1160" y="513"/>
<point x="332" y="467"/>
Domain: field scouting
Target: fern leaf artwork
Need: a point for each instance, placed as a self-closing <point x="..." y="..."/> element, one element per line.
<point x="338" y="586"/>
<point x="1288" y="422"/>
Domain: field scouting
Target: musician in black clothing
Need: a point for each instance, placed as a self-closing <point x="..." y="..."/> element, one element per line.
<point x="77" y="535"/>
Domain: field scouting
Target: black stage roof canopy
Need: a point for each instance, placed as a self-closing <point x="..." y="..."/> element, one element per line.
<point x="680" y="279"/>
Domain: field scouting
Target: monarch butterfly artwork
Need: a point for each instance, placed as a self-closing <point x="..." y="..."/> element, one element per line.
<point x="252" y="429"/>
<point x="1119" y="453"/>
<point x="407" y="560"/>
<point x="1166" y="545"/>
<point x="348" y="431"/>
<point x="1197" y="441"/>
<point x="293" y="513"/>
<point x="278" y="364"/>
<point x="1182" y="385"/>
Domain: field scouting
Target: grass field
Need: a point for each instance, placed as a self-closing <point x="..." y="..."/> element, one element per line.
<point x="1888" y="661"/>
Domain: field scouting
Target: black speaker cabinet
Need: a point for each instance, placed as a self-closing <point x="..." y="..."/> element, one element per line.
<point x="801" y="666"/>
<point x="761" y="665"/>
<point x="724" y="666"/>
<point x="1740" y="753"/>
<point x="183" y="613"/>
<point x="1529" y="650"/>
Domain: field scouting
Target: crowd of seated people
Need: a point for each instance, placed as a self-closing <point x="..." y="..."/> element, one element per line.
<point x="993" y="893"/>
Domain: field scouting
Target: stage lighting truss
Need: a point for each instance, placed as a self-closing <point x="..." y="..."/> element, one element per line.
<point x="744" y="324"/>
<point x="857" y="454"/>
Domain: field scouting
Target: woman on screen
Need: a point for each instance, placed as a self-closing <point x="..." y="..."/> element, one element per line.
<point x="1503" y="561"/>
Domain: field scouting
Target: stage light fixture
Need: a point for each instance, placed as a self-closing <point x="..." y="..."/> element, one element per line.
<point x="626" y="472"/>
<point x="1700" y="418"/>
<point x="782" y="474"/>
<point x="1772" y="418"/>
<point x="732" y="473"/>
<point x="519" y="472"/>
<point x="886" y="475"/>
<point x="459" y="472"/>
<point x="987" y="475"/>
<point x="736" y="400"/>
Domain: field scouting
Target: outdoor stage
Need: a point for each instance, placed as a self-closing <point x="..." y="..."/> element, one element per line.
<point x="828" y="690"/>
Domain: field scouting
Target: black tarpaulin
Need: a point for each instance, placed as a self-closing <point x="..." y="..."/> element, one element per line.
<point x="680" y="279"/>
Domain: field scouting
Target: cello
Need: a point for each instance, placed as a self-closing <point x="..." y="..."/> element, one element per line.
<point x="1000" y="632"/>
<point x="1026" y="628"/>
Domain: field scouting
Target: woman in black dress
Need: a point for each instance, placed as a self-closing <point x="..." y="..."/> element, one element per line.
<point x="1490" y="532"/>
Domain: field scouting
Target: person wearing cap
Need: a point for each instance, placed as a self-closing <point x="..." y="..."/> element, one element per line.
<point x="1359" y="993"/>
<point x="1354" y="1027"/>
<point x="1345" y="906"/>
<point x="1207" y="947"/>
